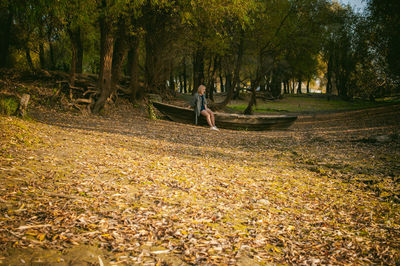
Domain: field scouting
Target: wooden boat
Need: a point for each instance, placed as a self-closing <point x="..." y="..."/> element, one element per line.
<point x="229" y="121"/>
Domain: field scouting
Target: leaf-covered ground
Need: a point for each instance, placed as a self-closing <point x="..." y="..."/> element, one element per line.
<point x="123" y="189"/>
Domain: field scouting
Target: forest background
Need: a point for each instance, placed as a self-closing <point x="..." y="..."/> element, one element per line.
<point x="275" y="47"/>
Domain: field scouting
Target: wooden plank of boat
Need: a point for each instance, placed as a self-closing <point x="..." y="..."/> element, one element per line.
<point x="229" y="121"/>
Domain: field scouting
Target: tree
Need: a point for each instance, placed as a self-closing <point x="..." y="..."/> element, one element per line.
<point x="339" y="50"/>
<point x="284" y="30"/>
<point x="6" y="17"/>
<point x="385" y="18"/>
<point x="110" y="11"/>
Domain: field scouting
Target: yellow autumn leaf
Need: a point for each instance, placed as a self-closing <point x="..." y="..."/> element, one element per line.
<point x="41" y="236"/>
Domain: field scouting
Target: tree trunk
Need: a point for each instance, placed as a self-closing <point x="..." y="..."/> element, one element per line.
<point x="221" y="79"/>
<point x="136" y="91"/>
<point x="73" y="66"/>
<point x="75" y="37"/>
<point x="42" y="59"/>
<point x="221" y="83"/>
<point x="5" y="36"/>
<point x="198" y="69"/>
<point x="119" y="54"/>
<point x="171" y="80"/>
<point x="329" y="76"/>
<point x="29" y="59"/>
<point x="236" y="75"/>
<point x="253" y="100"/>
<point x="308" y="85"/>
<point x="158" y="47"/>
<point x="51" y="47"/>
<point x="79" y="53"/>
<point x="284" y="87"/>
<point x="299" y="87"/>
<point x="293" y="86"/>
<point x="152" y="64"/>
<point x="228" y="83"/>
<point x="106" y="56"/>
<point x="190" y="88"/>
<point x="211" y="81"/>
<point x="180" y="80"/>
<point x="184" y="76"/>
<point x="207" y="81"/>
<point x="276" y="85"/>
<point x="41" y="56"/>
<point x="156" y="70"/>
<point x="263" y="84"/>
<point x="254" y="85"/>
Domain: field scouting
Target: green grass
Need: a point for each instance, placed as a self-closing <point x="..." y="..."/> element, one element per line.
<point x="8" y="105"/>
<point x="305" y="104"/>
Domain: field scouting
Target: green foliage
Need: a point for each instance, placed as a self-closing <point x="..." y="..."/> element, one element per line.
<point x="8" y="105"/>
<point x="151" y="112"/>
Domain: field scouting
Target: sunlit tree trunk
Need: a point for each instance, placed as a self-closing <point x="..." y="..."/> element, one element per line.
<point x="284" y="87"/>
<point x="293" y="86"/>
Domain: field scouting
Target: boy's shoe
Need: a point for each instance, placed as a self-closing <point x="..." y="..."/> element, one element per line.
<point x="214" y="128"/>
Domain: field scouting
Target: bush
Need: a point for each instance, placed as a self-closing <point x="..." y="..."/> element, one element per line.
<point x="8" y="105"/>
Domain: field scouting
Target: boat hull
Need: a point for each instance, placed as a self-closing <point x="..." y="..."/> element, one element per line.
<point x="228" y="121"/>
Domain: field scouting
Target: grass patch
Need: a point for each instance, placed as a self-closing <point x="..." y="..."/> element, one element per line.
<point x="305" y="104"/>
<point x="8" y="105"/>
